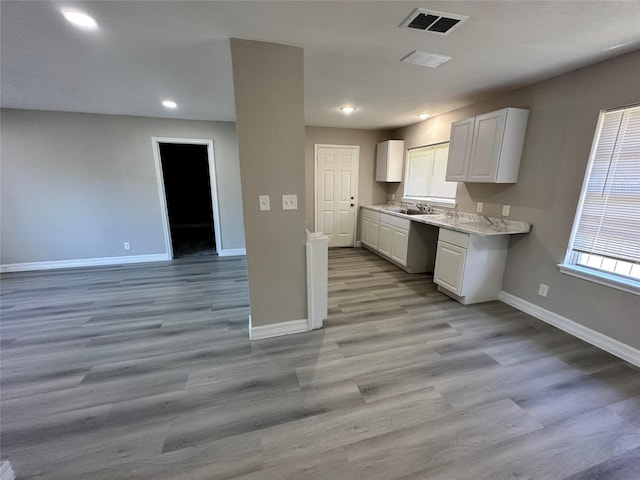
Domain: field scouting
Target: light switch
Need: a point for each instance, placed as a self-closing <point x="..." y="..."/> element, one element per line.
<point x="289" y="202"/>
<point x="479" y="207"/>
<point x="264" y="202"/>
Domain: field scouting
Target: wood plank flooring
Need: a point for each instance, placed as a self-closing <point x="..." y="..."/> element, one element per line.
<point x="146" y="372"/>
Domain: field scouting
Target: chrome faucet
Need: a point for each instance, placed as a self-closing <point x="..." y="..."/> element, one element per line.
<point x="419" y="206"/>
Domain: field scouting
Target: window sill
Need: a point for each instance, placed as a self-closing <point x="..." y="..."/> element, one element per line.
<point x="609" y="280"/>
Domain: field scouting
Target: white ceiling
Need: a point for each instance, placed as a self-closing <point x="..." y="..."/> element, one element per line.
<point x="146" y="51"/>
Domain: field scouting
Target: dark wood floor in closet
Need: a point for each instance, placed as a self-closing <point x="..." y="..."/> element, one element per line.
<point x="146" y="372"/>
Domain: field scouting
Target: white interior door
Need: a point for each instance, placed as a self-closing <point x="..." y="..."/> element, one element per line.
<point x="336" y="193"/>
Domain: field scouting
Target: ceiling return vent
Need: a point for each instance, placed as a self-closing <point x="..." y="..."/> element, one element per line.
<point x="434" y="22"/>
<point x="425" y="59"/>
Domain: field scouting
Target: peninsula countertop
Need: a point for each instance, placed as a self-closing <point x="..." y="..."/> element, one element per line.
<point x="460" y="221"/>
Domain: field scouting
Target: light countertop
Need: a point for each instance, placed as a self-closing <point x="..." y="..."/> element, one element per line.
<point x="461" y="222"/>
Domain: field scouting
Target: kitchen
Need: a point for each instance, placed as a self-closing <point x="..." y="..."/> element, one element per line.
<point x="563" y="116"/>
<point x="471" y="249"/>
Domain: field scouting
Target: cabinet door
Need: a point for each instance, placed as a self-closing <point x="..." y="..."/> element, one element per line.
<point x="366" y="228"/>
<point x="382" y="159"/>
<point x="460" y="150"/>
<point x="374" y="231"/>
<point x="385" y="239"/>
<point x="400" y="245"/>
<point x="449" y="270"/>
<point x="487" y="142"/>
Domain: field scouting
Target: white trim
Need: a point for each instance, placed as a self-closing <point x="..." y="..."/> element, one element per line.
<point x="315" y="184"/>
<point x="213" y="184"/>
<point x="597" y="339"/>
<point x="232" y="252"/>
<point x="277" y="329"/>
<point x="603" y="278"/>
<point x="83" y="262"/>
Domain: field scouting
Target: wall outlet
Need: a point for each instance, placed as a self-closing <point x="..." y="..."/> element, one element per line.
<point x="479" y="207"/>
<point x="265" y="204"/>
<point x="543" y="290"/>
<point x="127" y="246"/>
<point x="393" y="196"/>
<point x="289" y="202"/>
<point x="505" y="210"/>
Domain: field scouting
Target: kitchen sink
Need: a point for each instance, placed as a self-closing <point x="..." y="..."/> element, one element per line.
<point x="410" y="211"/>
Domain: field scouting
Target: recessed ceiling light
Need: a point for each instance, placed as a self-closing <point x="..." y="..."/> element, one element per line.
<point x="79" y="19"/>
<point x="423" y="116"/>
<point x="347" y="109"/>
<point x="169" y="104"/>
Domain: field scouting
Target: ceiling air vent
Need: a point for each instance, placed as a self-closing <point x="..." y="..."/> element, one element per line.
<point x="425" y="59"/>
<point x="432" y="21"/>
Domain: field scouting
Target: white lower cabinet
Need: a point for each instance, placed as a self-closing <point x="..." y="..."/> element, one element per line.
<point x="450" y="266"/>
<point x="374" y="233"/>
<point x="468" y="267"/>
<point x="386" y="238"/>
<point x="400" y="245"/>
<point x="370" y="228"/>
<point x="409" y="245"/>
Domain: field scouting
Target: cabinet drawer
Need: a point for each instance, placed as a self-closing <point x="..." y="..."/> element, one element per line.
<point x="395" y="221"/>
<point x="456" y="238"/>
<point x="373" y="215"/>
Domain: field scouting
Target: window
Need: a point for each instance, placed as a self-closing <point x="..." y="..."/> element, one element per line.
<point x="605" y="241"/>
<point x="425" y="175"/>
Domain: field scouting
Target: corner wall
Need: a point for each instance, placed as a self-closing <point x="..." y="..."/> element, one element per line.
<point x="76" y="186"/>
<point x="562" y="121"/>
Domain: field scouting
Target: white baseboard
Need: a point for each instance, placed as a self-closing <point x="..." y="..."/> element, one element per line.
<point x="6" y="472"/>
<point x="232" y="252"/>
<point x="83" y="262"/>
<point x="277" y="329"/>
<point x="597" y="339"/>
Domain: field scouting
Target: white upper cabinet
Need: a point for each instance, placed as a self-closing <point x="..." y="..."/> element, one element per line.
<point x="487" y="148"/>
<point x="460" y="150"/>
<point x="389" y="158"/>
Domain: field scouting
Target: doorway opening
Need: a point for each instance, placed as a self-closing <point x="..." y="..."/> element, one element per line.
<point x="186" y="180"/>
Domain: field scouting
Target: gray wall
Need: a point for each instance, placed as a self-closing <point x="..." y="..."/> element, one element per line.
<point x="76" y="186"/>
<point x="370" y="192"/>
<point x="563" y="116"/>
<point x="269" y="89"/>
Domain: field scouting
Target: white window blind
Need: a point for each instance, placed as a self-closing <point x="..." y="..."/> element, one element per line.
<point x="607" y="226"/>
<point x="425" y="175"/>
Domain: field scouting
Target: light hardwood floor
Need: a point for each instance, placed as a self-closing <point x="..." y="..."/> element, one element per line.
<point x="146" y="372"/>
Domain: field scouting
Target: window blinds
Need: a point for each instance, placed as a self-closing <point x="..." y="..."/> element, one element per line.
<point x="426" y="169"/>
<point x="609" y="223"/>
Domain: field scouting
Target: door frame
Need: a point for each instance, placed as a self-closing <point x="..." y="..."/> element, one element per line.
<point x="316" y="147"/>
<point x="213" y="183"/>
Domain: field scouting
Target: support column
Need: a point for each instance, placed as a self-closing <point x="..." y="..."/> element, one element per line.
<point x="269" y="97"/>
